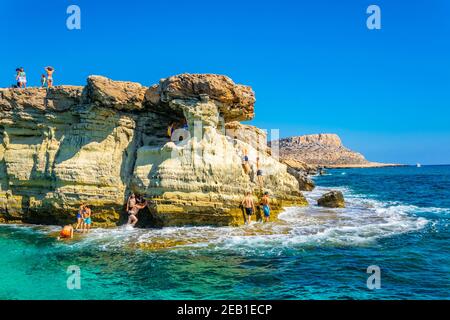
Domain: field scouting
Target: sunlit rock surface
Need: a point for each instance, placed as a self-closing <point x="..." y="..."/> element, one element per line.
<point x="96" y="144"/>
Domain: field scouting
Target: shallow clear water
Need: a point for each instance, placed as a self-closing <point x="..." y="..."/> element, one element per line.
<point x="396" y="218"/>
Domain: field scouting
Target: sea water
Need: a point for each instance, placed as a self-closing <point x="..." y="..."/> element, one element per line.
<point x="396" y="218"/>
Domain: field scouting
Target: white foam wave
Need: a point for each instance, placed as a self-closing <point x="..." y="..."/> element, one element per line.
<point x="363" y="221"/>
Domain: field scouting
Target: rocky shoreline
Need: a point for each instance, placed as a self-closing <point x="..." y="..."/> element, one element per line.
<point x="96" y="144"/>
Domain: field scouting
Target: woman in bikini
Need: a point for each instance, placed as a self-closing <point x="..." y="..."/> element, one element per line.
<point x="80" y="217"/>
<point x="49" y="71"/>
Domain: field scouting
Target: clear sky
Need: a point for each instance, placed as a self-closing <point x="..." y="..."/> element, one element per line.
<point x="314" y="65"/>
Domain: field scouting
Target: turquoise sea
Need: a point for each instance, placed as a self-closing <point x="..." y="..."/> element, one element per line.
<point x="396" y="218"/>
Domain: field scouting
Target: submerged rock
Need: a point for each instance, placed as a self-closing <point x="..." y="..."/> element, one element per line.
<point x="96" y="144"/>
<point x="332" y="199"/>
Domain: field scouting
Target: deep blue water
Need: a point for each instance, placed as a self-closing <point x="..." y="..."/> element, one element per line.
<point x="396" y="218"/>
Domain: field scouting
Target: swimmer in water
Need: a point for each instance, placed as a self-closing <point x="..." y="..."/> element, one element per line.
<point x="66" y="232"/>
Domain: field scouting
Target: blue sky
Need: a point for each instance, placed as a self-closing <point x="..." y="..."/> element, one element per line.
<point x="314" y="65"/>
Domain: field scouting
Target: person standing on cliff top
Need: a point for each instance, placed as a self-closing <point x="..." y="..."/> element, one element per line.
<point x="22" y="78"/>
<point x="43" y="81"/>
<point x="265" y="204"/>
<point x="17" y="77"/>
<point x="249" y="206"/>
<point x="49" y="71"/>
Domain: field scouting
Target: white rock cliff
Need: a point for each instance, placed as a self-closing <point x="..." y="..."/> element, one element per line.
<point x="95" y="144"/>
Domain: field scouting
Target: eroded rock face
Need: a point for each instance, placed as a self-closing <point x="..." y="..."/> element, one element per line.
<point x="235" y="102"/>
<point x="332" y="199"/>
<point x="251" y="135"/>
<point x="121" y="95"/>
<point x="96" y="144"/>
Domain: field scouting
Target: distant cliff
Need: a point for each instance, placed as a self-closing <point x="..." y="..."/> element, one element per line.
<point x="95" y="144"/>
<point x="324" y="150"/>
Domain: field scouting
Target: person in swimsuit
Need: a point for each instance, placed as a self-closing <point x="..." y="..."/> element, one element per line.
<point x="87" y="219"/>
<point x="259" y="173"/>
<point x="17" y="77"/>
<point x="49" y="71"/>
<point x="132" y="219"/>
<point x="22" y="78"/>
<point x="80" y="215"/>
<point x="66" y="232"/>
<point x="43" y="81"/>
<point x="265" y="204"/>
<point x="131" y="202"/>
<point x="245" y="163"/>
<point x="249" y="206"/>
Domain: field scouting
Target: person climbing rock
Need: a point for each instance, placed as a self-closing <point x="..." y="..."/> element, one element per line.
<point x="259" y="174"/>
<point x="245" y="163"/>
<point x="265" y="202"/>
<point x="133" y="207"/>
<point x="249" y="206"/>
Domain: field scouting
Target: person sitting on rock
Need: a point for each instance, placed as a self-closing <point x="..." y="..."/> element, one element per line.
<point x="249" y="206"/>
<point x="265" y="201"/>
<point x="66" y="232"/>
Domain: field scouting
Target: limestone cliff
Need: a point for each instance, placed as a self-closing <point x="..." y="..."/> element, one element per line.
<point x="323" y="150"/>
<point x="96" y="144"/>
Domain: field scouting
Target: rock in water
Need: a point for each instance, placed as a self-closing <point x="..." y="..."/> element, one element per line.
<point x="332" y="199"/>
<point x="68" y="145"/>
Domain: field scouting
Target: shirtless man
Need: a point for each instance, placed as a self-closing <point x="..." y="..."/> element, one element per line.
<point x="259" y="173"/>
<point x="87" y="220"/>
<point x="133" y="208"/>
<point x="249" y="206"/>
<point x="245" y="163"/>
<point x="265" y="204"/>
